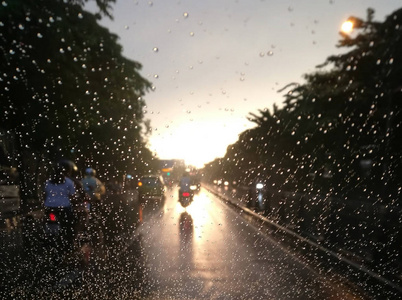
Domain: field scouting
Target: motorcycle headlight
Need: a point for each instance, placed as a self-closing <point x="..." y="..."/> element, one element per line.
<point x="259" y="186"/>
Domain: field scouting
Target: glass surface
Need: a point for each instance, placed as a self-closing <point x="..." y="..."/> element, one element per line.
<point x="285" y="115"/>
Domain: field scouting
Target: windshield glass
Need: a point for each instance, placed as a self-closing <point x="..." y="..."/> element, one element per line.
<point x="216" y="149"/>
<point x="150" y="181"/>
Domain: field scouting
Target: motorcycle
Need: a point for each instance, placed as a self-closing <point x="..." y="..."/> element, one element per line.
<point x="186" y="197"/>
<point x="58" y="228"/>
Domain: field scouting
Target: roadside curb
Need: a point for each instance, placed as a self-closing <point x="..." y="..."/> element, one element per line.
<point x="335" y="257"/>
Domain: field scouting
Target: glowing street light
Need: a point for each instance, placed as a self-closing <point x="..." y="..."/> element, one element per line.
<point x="352" y="23"/>
<point x="347" y="26"/>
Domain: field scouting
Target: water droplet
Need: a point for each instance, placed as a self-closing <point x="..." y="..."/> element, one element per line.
<point x="39" y="35"/>
<point x="155" y="49"/>
<point x="21" y="27"/>
<point x="4" y="3"/>
<point x="156" y="76"/>
<point x="126" y="27"/>
<point x="185" y="15"/>
<point x="270" y="53"/>
<point x="61" y="50"/>
<point x="191" y="33"/>
<point x="262" y="54"/>
<point x="80" y="16"/>
<point x="12" y="51"/>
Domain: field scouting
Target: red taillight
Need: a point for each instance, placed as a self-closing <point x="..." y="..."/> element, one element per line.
<point x="186" y="194"/>
<point x="52" y="217"/>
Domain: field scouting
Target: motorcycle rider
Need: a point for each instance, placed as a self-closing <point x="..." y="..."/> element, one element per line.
<point x="59" y="192"/>
<point x="80" y="198"/>
<point x="95" y="189"/>
<point x="184" y="186"/>
<point x="93" y="186"/>
<point x="185" y="183"/>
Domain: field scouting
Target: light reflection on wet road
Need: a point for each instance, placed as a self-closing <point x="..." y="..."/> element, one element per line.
<point x="208" y="251"/>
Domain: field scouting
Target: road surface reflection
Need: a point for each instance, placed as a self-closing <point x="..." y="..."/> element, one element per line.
<point x="208" y="251"/>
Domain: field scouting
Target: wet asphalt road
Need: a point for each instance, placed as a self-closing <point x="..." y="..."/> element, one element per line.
<point x="207" y="251"/>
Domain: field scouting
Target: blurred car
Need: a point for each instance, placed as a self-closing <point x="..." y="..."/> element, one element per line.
<point x="151" y="187"/>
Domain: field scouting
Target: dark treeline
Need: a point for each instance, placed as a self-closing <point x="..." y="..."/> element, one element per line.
<point x="330" y="158"/>
<point x="67" y="91"/>
<point x="338" y="133"/>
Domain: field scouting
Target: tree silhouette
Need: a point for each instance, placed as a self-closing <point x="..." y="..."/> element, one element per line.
<point x="66" y="89"/>
<point x="338" y="131"/>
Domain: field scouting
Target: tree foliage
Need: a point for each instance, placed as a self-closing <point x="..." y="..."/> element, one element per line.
<point x="338" y="132"/>
<point x="65" y="88"/>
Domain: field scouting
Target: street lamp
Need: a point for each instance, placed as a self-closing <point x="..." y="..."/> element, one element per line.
<point x="352" y="23"/>
<point x="347" y="26"/>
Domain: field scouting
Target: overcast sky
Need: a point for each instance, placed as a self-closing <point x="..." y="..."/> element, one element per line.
<point x="214" y="61"/>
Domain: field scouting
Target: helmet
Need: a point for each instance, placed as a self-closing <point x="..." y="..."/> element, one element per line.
<point x="67" y="167"/>
<point x="90" y="172"/>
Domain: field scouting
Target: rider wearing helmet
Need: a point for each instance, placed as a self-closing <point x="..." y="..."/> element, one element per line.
<point x="92" y="185"/>
<point x="59" y="192"/>
<point x="80" y="198"/>
<point x="185" y="182"/>
<point x="95" y="189"/>
<point x="70" y="170"/>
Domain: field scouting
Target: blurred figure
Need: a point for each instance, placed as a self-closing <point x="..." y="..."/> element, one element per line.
<point x="185" y="182"/>
<point x="114" y="188"/>
<point x="185" y="192"/>
<point x="71" y="172"/>
<point x="59" y="193"/>
<point x="95" y="189"/>
<point x="81" y="200"/>
<point x="93" y="186"/>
